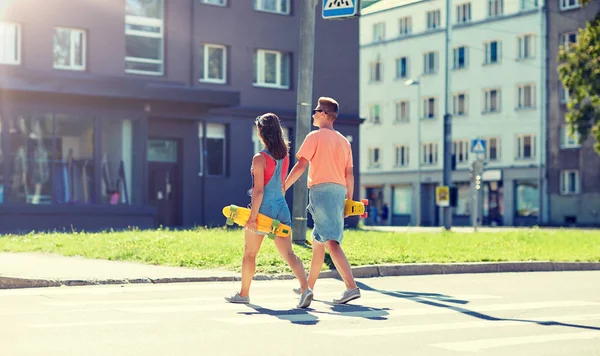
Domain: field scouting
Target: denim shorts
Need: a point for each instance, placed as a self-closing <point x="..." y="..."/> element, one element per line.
<point x="326" y="206"/>
<point x="278" y="210"/>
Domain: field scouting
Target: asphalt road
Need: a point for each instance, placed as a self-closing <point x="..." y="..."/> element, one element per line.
<point x="545" y="313"/>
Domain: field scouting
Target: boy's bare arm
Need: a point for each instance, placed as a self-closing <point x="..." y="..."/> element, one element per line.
<point x="296" y="172"/>
<point x="349" y="183"/>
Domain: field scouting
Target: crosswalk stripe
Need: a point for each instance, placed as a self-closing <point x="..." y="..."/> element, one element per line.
<point x="91" y="323"/>
<point x="481" y="344"/>
<point x="409" y="329"/>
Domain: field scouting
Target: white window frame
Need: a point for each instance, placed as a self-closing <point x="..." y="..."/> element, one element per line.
<point x="375" y="71"/>
<point x="565" y="39"/>
<point x="259" y="6"/>
<point x="375" y="113"/>
<point x="463" y="13"/>
<point x="206" y="60"/>
<point x="402" y="114"/>
<point x="405" y="26"/>
<point x="456" y="100"/>
<point x="74" y="32"/>
<point x="430" y="68"/>
<point x="399" y="70"/>
<point x="526" y="46"/>
<point x="521" y="96"/>
<point x="429" y="150"/>
<point x="488" y="149"/>
<point x="259" y="69"/>
<point x="520" y="147"/>
<point x="221" y="3"/>
<point x="433" y="20"/>
<point x="487" y="100"/>
<point x="569" y="4"/>
<point x="456" y="57"/>
<point x="374" y="159"/>
<point x="150" y="22"/>
<point x="379" y="32"/>
<point x="13" y="47"/>
<point x="529" y="4"/>
<point x="566" y="141"/>
<point x="461" y="148"/>
<point x="563" y="93"/>
<point x="566" y="177"/>
<point x="401" y="156"/>
<point x="428" y="102"/>
<point x="495" y="8"/>
<point x="488" y="52"/>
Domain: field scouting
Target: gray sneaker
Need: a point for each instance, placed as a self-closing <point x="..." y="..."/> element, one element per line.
<point x="306" y="298"/>
<point x="237" y="298"/>
<point x="348" y="295"/>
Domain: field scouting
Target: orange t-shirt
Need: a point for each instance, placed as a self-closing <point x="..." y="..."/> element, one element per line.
<point x="329" y="154"/>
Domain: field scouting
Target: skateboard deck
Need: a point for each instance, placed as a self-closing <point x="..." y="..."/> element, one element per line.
<point x="272" y="227"/>
<point x="356" y="208"/>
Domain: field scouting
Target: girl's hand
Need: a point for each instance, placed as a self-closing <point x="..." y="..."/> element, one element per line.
<point x="251" y="225"/>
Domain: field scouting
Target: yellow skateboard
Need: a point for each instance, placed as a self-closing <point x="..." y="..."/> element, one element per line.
<point x="356" y="208"/>
<point x="272" y="227"/>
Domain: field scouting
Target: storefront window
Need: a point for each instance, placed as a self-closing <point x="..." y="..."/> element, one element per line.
<point x="30" y="157"/>
<point x="74" y="161"/>
<point x="463" y="205"/>
<point x="402" y="200"/>
<point x="117" y="160"/>
<point x="527" y="198"/>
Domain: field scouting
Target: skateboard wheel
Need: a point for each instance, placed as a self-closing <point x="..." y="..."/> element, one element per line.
<point x="229" y="221"/>
<point x="233" y="208"/>
<point x="365" y="201"/>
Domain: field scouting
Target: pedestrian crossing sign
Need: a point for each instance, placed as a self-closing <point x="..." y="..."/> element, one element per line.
<point x="336" y="9"/>
<point x="478" y="146"/>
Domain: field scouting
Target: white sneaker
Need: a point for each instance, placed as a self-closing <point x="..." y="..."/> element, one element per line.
<point x="348" y="295"/>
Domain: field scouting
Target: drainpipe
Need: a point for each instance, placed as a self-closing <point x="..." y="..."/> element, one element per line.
<point x="542" y="169"/>
<point x="192" y="49"/>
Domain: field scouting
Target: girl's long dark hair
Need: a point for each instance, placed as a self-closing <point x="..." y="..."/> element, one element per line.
<point x="272" y="135"/>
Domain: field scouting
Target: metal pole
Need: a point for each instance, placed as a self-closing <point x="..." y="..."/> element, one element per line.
<point x="447" y="176"/>
<point x="303" y="111"/>
<point x="419" y="103"/>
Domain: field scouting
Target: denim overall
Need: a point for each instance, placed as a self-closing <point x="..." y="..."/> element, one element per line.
<point x="274" y="204"/>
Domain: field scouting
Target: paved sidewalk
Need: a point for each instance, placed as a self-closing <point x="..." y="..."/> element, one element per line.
<point x="32" y="270"/>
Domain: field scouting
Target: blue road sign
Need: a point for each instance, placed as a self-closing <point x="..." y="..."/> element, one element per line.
<point x="335" y="9"/>
<point x="478" y="146"/>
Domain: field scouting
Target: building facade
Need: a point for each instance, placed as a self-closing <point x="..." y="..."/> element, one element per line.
<point x="573" y="168"/>
<point x="141" y="112"/>
<point x="497" y="93"/>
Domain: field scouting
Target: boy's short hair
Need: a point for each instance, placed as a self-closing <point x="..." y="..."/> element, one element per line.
<point x="330" y="105"/>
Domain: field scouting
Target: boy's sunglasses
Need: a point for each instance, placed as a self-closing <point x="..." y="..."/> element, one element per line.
<point x="316" y="111"/>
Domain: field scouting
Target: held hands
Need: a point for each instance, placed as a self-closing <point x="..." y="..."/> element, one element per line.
<point x="250" y="225"/>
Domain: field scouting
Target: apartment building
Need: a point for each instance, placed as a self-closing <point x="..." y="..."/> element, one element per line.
<point x="117" y="114"/>
<point x="497" y="93"/>
<point x="573" y="168"/>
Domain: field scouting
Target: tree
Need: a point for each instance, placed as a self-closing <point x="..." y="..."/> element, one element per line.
<point x="579" y="72"/>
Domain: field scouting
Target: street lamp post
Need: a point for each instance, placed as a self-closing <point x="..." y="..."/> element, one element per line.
<point x="417" y="83"/>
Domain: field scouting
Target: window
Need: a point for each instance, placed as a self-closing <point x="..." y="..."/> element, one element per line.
<point x="461" y="149"/>
<point x="429" y="108"/>
<point x="526" y="46"/>
<point x="212" y="149"/>
<point x="402" y="112"/>
<point x="563" y="93"/>
<point x="495" y="8"/>
<point x="401" y="68"/>
<point x="460" y="104"/>
<point x="526" y="96"/>
<point x="430" y="63"/>
<point x="215" y="2"/>
<point x="463" y="13"/>
<point x="529" y="4"/>
<point x="117" y="161"/>
<point x="567" y="140"/>
<point x="144" y="42"/>
<point x="433" y="19"/>
<point x="525" y="147"/>
<point x="568" y="38"/>
<point x="492" y="52"/>
<point x="378" y="32"/>
<point x="463" y="204"/>
<point x="10" y="43"/>
<point x="527" y="202"/>
<point x="402" y="199"/>
<point x="491" y="101"/>
<point x="275" y="6"/>
<point x="460" y="57"/>
<point x="430" y="154"/>
<point x="69" y="48"/>
<point x="569" y="4"/>
<point x="374" y="114"/>
<point x="492" y="149"/>
<point x="213" y="59"/>
<point x="374" y="157"/>
<point x="569" y="182"/>
<point x="375" y="71"/>
<point x="405" y="26"/>
<point x="272" y="69"/>
<point x="401" y="156"/>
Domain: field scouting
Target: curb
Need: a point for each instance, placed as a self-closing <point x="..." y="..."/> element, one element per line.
<point x="369" y="271"/>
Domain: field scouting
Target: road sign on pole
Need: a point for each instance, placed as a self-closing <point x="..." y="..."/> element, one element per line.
<point x="442" y="196"/>
<point x="478" y="146"/>
<point x="339" y="9"/>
